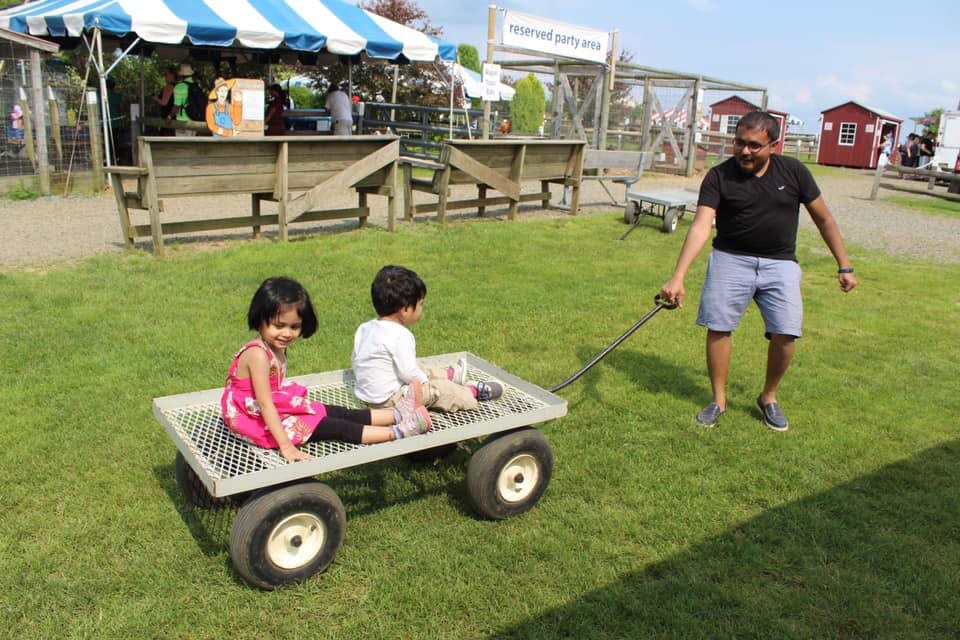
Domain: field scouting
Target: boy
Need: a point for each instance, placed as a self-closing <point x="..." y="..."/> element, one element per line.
<point x="385" y="353"/>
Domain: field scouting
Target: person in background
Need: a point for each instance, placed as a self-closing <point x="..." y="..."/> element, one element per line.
<point x="181" y="93"/>
<point x="754" y="198"/>
<point x="15" y="131"/>
<point x="927" y="145"/>
<point x="340" y="108"/>
<point x="165" y="98"/>
<point x="913" y="141"/>
<point x="906" y="159"/>
<point x="273" y="120"/>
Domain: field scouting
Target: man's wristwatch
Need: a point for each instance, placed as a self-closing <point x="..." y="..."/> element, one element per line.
<point x="847" y="270"/>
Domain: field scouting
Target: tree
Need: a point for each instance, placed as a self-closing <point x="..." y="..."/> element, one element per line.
<point x="469" y="57"/>
<point x="933" y="117"/>
<point x="528" y="106"/>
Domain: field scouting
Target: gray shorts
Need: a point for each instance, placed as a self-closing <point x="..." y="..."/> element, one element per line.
<point x="733" y="280"/>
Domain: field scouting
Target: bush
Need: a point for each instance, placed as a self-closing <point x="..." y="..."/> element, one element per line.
<point x="528" y="106"/>
<point x="24" y="190"/>
<point x="304" y="98"/>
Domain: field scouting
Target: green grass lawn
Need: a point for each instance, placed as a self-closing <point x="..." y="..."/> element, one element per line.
<point x="845" y="526"/>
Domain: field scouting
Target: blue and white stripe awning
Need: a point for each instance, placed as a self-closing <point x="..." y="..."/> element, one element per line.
<point x="332" y="26"/>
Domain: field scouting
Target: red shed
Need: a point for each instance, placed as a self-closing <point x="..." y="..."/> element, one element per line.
<point x="725" y="115"/>
<point x="851" y="133"/>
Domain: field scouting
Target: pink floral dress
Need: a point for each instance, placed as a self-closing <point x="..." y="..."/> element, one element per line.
<point x="298" y="415"/>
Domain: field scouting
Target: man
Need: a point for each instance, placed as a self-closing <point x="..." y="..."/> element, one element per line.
<point x="181" y="94"/>
<point x="341" y="109"/>
<point x="754" y="198"/>
<point x="927" y="146"/>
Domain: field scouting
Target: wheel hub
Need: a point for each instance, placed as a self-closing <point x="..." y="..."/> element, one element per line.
<point x="296" y="540"/>
<point x="518" y="478"/>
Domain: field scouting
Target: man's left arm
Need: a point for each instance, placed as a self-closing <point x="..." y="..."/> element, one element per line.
<point x="830" y="232"/>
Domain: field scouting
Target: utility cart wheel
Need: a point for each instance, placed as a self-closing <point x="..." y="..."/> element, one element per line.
<point x="631" y="212"/>
<point x="507" y="476"/>
<point x="286" y="535"/>
<point x="193" y="490"/>
<point x="670" y="218"/>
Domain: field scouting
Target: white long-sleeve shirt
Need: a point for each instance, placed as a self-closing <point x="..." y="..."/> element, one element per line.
<point x="384" y="359"/>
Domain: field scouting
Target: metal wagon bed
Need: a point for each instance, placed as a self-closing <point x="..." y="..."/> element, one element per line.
<point x="227" y="465"/>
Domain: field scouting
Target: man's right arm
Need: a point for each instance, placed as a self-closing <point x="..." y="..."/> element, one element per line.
<point x="698" y="235"/>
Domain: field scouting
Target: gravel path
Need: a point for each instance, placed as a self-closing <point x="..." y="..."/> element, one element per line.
<point x="56" y="229"/>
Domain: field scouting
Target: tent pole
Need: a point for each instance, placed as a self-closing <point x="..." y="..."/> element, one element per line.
<point x="104" y="101"/>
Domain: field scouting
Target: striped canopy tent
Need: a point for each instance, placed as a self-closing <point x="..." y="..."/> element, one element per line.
<point x="310" y="26"/>
<point x="323" y="29"/>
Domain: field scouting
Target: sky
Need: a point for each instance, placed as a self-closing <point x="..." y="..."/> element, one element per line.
<point x="895" y="56"/>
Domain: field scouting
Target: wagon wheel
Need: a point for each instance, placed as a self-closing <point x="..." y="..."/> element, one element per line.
<point x="670" y="218"/>
<point x="194" y="491"/>
<point x="507" y="476"/>
<point x="631" y="212"/>
<point x="286" y="535"/>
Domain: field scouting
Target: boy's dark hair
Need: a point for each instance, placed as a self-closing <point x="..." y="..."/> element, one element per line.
<point x="394" y="288"/>
<point x="761" y="120"/>
<point x="272" y="295"/>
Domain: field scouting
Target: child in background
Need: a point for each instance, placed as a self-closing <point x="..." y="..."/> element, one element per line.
<point x="260" y="406"/>
<point x="385" y="352"/>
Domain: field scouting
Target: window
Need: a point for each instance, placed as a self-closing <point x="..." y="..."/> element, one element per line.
<point x="848" y="133"/>
<point x="732" y="124"/>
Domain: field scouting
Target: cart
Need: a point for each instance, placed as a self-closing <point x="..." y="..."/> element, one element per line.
<point x="668" y="204"/>
<point x="290" y="526"/>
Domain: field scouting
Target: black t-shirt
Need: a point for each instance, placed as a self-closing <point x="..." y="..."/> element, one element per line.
<point x="758" y="216"/>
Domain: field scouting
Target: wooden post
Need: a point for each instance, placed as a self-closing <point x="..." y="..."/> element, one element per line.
<point x="645" y="124"/>
<point x="28" y="125"/>
<point x="96" y="142"/>
<point x="36" y="90"/>
<point x="608" y="85"/>
<point x="54" y="107"/>
<point x="692" y="126"/>
<point x="877" y="175"/>
<point x="557" y="103"/>
<point x="491" y="34"/>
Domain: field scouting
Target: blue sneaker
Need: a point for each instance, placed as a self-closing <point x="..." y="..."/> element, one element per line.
<point x="488" y="390"/>
<point x="709" y="415"/>
<point x="772" y="415"/>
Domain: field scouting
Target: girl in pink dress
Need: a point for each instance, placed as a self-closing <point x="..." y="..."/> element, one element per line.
<point x="260" y="406"/>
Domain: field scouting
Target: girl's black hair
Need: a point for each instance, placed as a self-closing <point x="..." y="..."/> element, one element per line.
<point x="272" y="295"/>
<point x="394" y="288"/>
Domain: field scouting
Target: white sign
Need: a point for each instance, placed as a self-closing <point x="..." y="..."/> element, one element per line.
<point x="548" y="36"/>
<point x="491" y="82"/>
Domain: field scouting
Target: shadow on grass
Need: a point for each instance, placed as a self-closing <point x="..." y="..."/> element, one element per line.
<point x="362" y="490"/>
<point x="876" y="557"/>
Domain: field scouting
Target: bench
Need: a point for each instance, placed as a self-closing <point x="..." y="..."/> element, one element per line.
<point x="597" y="162"/>
<point x="500" y="165"/>
<point x="928" y="176"/>
<point x="299" y="173"/>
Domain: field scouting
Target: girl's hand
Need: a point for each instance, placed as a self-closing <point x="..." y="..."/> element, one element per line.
<point x="291" y="454"/>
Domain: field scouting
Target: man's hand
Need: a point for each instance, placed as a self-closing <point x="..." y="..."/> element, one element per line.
<point x="847" y="281"/>
<point x="673" y="292"/>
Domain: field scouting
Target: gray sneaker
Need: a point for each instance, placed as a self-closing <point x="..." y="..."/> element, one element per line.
<point x="709" y="415"/>
<point x="488" y="390"/>
<point x="772" y="415"/>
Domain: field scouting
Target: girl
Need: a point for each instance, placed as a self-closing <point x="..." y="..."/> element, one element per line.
<point x="259" y="406"/>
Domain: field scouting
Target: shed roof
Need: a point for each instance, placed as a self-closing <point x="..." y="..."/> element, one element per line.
<point x="879" y="112"/>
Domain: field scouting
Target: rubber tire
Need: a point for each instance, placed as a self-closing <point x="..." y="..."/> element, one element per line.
<point x="426" y="456"/>
<point x="193" y="490"/>
<point x="523" y="452"/>
<point x="631" y="212"/>
<point x="312" y="504"/>
<point x="670" y="219"/>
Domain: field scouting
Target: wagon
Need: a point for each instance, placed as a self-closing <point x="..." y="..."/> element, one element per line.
<point x="668" y="204"/>
<point x="289" y="526"/>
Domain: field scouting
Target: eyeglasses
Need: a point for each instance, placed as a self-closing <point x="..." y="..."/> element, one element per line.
<point x="752" y="145"/>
